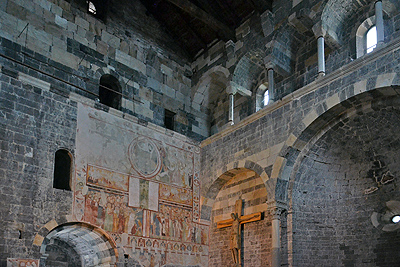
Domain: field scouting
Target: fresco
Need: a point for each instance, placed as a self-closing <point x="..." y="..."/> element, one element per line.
<point x="152" y="159"/>
<point x="175" y="195"/>
<point x="22" y="263"/>
<point x="111" y="212"/>
<point x="143" y="194"/>
<point x="106" y="178"/>
<point x="142" y="187"/>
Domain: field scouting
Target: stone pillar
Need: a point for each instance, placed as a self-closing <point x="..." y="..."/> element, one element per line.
<point x="276" y="235"/>
<point x="321" y="56"/>
<point x="271" y="85"/>
<point x="380" y="34"/>
<point x="231" y="107"/>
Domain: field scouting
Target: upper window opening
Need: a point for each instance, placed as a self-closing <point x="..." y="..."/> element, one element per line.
<point x="91" y="7"/>
<point x="110" y="91"/>
<point x="262" y="96"/>
<point x="371" y="39"/>
<point x="366" y="37"/>
<point x="62" y="170"/>
<point x="266" y="98"/>
<point x="97" y="8"/>
<point x="169" y="119"/>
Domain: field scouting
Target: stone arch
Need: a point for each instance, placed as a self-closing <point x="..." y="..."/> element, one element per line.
<point x="248" y="69"/>
<point x="323" y="182"/>
<point x="224" y="175"/>
<point x="91" y="245"/>
<point x="106" y="71"/>
<point x="210" y="94"/>
<point x="317" y="119"/>
<point x="336" y="14"/>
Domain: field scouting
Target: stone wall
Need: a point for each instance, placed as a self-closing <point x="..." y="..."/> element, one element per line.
<point x="63" y="40"/>
<point x="52" y="56"/>
<point x="31" y="134"/>
<point x="255" y="243"/>
<point x="286" y="40"/>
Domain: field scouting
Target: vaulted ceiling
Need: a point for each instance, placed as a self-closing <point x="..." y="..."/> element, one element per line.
<point x="194" y="24"/>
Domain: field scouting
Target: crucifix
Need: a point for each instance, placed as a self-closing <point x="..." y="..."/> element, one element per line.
<point x="235" y="222"/>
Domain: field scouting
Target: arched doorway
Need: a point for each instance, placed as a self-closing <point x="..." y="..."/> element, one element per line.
<point x="78" y="244"/>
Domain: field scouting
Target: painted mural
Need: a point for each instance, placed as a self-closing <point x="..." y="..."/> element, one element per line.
<point x="106" y="178"/>
<point x="142" y="187"/>
<point x="22" y="263"/>
<point x="177" y="195"/>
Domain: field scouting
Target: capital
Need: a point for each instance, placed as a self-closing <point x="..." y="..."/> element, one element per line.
<point x="318" y="30"/>
<point x="276" y="208"/>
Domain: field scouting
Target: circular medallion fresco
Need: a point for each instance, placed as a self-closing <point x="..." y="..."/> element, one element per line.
<point x="145" y="157"/>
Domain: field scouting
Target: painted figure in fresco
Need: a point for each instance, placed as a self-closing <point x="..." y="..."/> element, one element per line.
<point x="235" y="238"/>
<point x="108" y="220"/>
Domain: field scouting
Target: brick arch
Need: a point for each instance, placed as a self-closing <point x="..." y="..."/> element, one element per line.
<point x="318" y="119"/>
<point x="87" y="240"/>
<point x="224" y="175"/>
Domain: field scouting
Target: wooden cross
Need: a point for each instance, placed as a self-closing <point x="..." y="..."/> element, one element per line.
<point x="235" y="222"/>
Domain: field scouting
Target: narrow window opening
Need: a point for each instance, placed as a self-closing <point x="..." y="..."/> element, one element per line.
<point x="62" y="170"/>
<point x="97" y="8"/>
<point x="266" y="98"/>
<point x="371" y="39"/>
<point x="91" y="8"/>
<point x="110" y="91"/>
<point x="169" y="119"/>
<point x="164" y="78"/>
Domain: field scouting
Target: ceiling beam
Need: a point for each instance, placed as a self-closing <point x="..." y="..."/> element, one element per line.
<point x="205" y="17"/>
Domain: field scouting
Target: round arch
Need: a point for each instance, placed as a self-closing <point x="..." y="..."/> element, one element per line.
<point x="211" y="192"/>
<point x="80" y="243"/>
<point x="332" y="108"/>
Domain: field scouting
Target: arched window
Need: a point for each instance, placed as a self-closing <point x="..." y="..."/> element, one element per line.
<point x="371" y="39"/>
<point x="262" y="96"/>
<point x="366" y="38"/>
<point x="110" y="91"/>
<point x="62" y="170"/>
<point x="266" y="97"/>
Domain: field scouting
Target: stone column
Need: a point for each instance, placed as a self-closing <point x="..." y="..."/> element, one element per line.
<point x="321" y="56"/>
<point x="271" y="85"/>
<point x="231" y="91"/>
<point x="379" y="23"/>
<point x="276" y="235"/>
<point x="231" y="107"/>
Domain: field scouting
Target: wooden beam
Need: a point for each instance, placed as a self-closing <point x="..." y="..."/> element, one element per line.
<point x="205" y="17"/>
<point x="243" y="219"/>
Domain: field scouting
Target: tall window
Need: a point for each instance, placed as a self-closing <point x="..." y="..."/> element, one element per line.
<point x="62" y="170"/>
<point x="169" y="119"/>
<point x="366" y="37"/>
<point x="266" y="97"/>
<point x="371" y="39"/>
<point x="262" y="96"/>
<point x="110" y="91"/>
